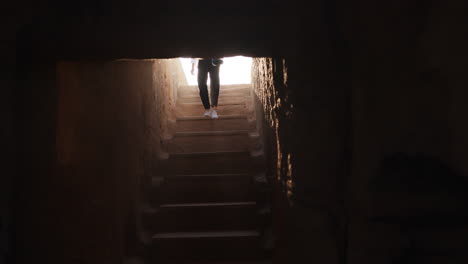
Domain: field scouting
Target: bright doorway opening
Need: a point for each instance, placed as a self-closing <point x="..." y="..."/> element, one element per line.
<point x="234" y="70"/>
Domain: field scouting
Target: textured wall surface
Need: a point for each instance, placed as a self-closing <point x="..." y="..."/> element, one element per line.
<point x="306" y="208"/>
<point x="339" y="114"/>
<point x="407" y="89"/>
<point x="110" y="119"/>
<point x="364" y="80"/>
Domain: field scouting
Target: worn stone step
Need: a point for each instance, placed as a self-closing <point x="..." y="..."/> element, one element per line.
<point x="232" y="88"/>
<point x="220" y="245"/>
<point x="196" y="109"/>
<point x="222" y="86"/>
<point x="222" y="100"/>
<point x="193" y="91"/>
<point x="215" y="141"/>
<point x="222" y="95"/>
<point x="192" y="217"/>
<point x="211" y="163"/>
<point x="224" y="123"/>
<point x="203" y="188"/>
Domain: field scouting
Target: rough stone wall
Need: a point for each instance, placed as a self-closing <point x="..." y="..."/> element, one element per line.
<point x="264" y="100"/>
<point x="9" y="157"/>
<point x="306" y="157"/>
<point x="404" y="90"/>
<point x="13" y="18"/>
<point x="108" y="130"/>
<point x="409" y="78"/>
<point x="380" y="88"/>
<point x="169" y="72"/>
<point x="102" y="108"/>
<point x="33" y="196"/>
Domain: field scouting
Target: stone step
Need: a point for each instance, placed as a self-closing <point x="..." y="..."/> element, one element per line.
<point x="220" y="245"/>
<point x="197" y="217"/>
<point x="222" y="95"/>
<point x="216" y="141"/>
<point x="203" y="188"/>
<point x="196" y="109"/>
<point x="194" y="91"/>
<point x="211" y="163"/>
<point x="224" y="123"/>
<point x="222" y="86"/>
<point x="222" y="100"/>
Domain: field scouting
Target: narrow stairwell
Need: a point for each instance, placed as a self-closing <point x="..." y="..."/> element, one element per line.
<point x="211" y="201"/>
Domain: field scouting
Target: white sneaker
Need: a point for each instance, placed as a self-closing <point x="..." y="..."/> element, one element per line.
<point x="207" y="113"/>
<point x="214" y="115"/>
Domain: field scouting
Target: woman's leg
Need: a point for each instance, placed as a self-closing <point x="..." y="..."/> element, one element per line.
<point x="214" y="85"/>
<point x="203" y="68"/>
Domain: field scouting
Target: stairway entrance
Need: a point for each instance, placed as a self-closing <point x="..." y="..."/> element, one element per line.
<point x="209" y="201"/>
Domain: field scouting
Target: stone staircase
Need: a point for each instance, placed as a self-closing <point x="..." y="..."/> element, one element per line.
<point x="233" y="100"/>
<point x="209" y="204"/>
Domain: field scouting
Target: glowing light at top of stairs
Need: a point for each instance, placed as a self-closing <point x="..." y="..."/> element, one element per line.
<point x="234" y="70"/>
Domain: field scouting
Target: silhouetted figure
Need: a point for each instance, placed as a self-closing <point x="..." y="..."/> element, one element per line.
<point x="211" y="66"/>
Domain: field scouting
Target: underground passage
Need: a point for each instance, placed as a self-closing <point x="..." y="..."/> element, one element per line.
<point x="206" y="198"/>
<point x="343" y="141"/>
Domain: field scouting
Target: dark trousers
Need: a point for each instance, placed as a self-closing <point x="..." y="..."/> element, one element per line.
<point x="205" y="67"/>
